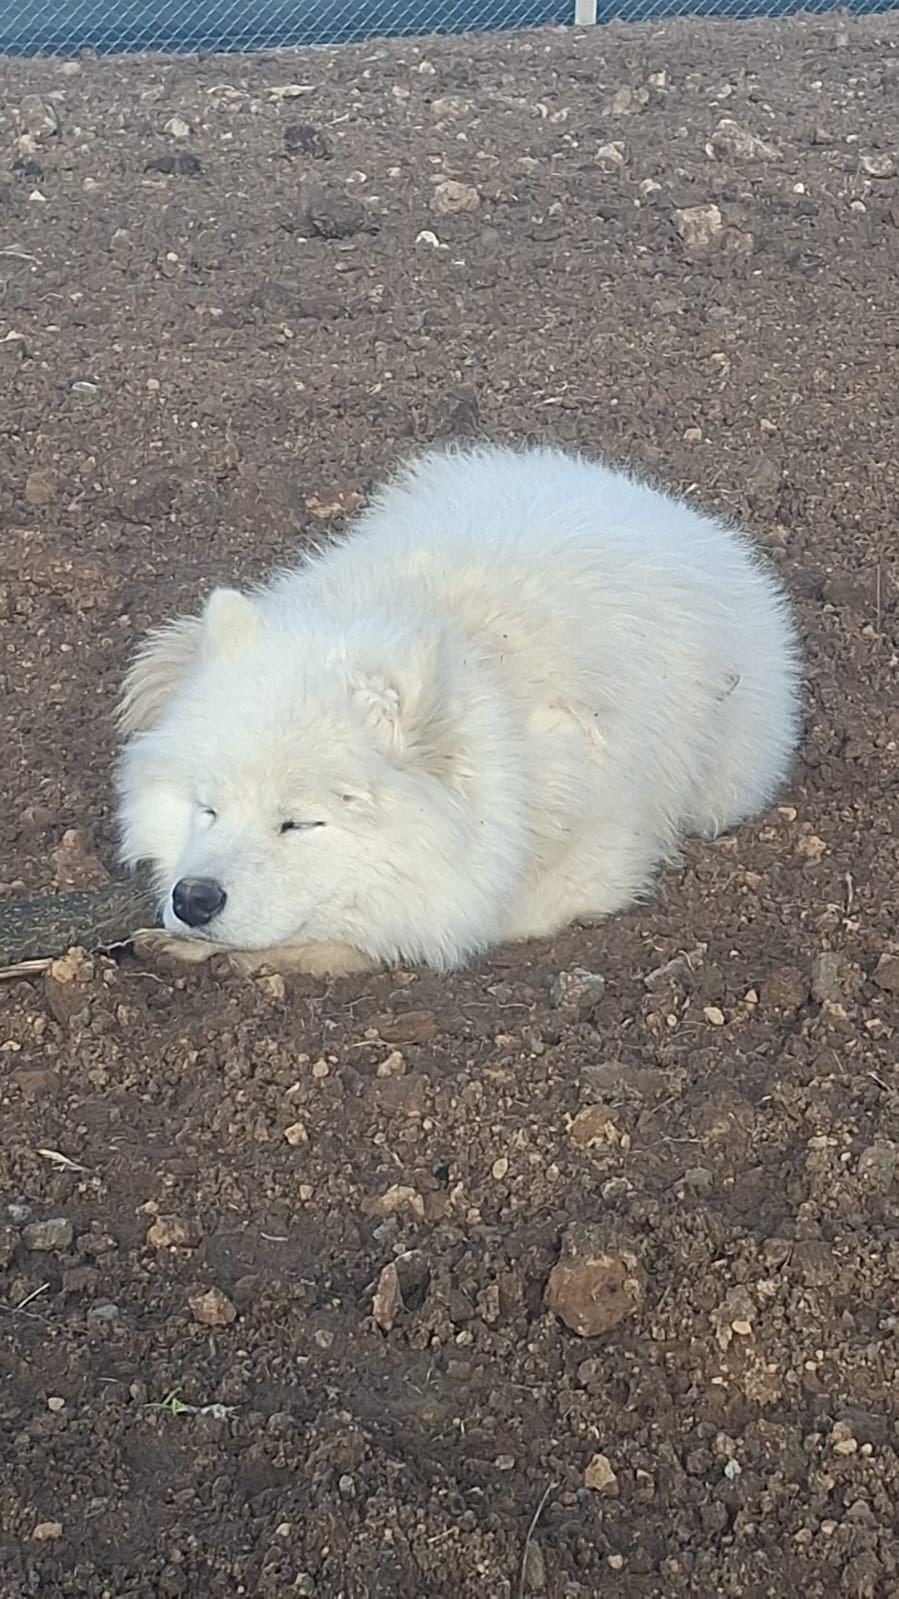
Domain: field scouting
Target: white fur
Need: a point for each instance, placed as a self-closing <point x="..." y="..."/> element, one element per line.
<point x="505" y="694"/>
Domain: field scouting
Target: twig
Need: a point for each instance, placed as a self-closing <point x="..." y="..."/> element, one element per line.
<point x="523" y="1575"/>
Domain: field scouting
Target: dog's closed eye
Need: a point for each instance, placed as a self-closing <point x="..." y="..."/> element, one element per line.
<point x="299" y="827"/>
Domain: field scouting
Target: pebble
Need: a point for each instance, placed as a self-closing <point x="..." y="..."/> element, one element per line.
<point x="625" y="102"/>
<point x="450" y="197"/>
<point x="409" y="1027"/>
<point x="877" y="166"/>
<point x="886" y="973"/>
<point x="826" y="985"/>
<point x="54" y="1233"/>
<point x="735" y="142"/>
<point x="877" y="1167"/>
<point x="84" y="388"/>
<point x="595" y="1124"/>
<point x="47" y="1531"/>
<point x="578" y="990"/>
<point x="450" y="105"/>
<point x="211" y="1308"/>
<point x="698" y="225"/>
<point x="394" y="1065"/>
<point x="38" y="118"/>
<point x="698" y="1177"/>
<point x="397" y="1198"/>
<point x="388" y="1300"/>
<point x="843" y="1440"/>
<point x="296" y="1135"/>
<point x="41" y="486"/>
<point x="610" y="156"/>
<point x="600" y="1476"/>
<point x="592" y="1288"/>
<point x="103" y="1314"/>
<point x="171" y="1232"/>
<point x="177" y="128"/>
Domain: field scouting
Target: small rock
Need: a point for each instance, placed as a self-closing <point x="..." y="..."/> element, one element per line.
<point x="601" y="1478"/>
<point x="714" y="1015"/>
<point x="826" y="985"/>
<point x="698" y="225"/>
<point x="735" y="142"/>
<point x="54" y="1233"/>
<point x="397" y="1198"/>
<point x="877" y="1167"/>
<point x="595" y="1124"/>
<point x="409" y="1027"/>
<point x="103" y="1314"/>
<point x="578" y="990"/>
<point x="450" y="105"/>
<point x="47" y="1531"/>
<point x="878" y="166"/>
<point x="886" y="973"/>
<point x="296" y="1135"/>
<point x="39" y="118"/>
<point x="592" y="1288"/>
<point x="394" y="1065"/>
<point x="698" y="1177"/>
<point x="787" y="989"/>
<point x="177" y="128"/>
<point x="41" y="486"/>
<point x="211" y="1308"/>
<point x="610" y="156"/>
<point x="84" y="388"/>
<point x="388" y="1300"/>
<point x="304" y="138"/>
<point x="626" y="102"/>
<point x="13" y="348"/>
<point x="534" y="1569"/>
<point x="171" y="1232"/>
<point x="842" y="1439"/>
<point x="450" y="197"/>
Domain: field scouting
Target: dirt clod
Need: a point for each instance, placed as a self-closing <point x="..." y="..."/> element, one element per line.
<point x="54" y="1234"/>
<point x="592" y="1289"/>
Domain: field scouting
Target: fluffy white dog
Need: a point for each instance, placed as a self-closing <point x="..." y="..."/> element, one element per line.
<point x="490" y="710"/>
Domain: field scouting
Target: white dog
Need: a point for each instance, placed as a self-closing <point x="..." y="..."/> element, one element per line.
<point x="488" y="711"/>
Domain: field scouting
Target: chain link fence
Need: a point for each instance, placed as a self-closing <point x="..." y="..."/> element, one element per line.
<point x="65" y="27"/>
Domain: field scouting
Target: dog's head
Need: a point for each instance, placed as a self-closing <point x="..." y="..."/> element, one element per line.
<point x="289" y="783"/>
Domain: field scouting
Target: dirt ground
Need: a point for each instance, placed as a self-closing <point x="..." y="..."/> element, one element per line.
<point x="282" y="1266"/>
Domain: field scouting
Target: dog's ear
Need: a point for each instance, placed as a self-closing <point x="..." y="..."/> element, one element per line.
<point x="161" y="664"/>
<point x="231" y="621"/>
<point x="408" y="707"/>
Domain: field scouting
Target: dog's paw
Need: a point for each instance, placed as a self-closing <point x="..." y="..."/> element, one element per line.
<point x="158" y="943"/>
<point x="313" y="960"/>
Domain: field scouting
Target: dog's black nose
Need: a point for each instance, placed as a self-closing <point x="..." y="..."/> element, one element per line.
<point x="195" y="900"/>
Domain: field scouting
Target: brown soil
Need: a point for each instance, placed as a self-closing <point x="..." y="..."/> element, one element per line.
<point x="264" y="329"/>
